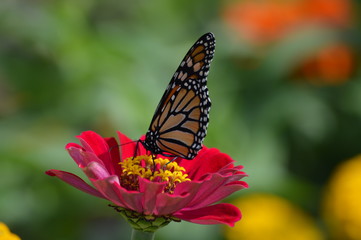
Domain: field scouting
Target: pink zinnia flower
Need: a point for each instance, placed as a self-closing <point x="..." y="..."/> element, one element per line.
<point x="181" y="190"/>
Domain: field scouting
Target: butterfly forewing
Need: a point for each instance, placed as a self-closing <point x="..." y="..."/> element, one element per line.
<point x="180" y="122"/>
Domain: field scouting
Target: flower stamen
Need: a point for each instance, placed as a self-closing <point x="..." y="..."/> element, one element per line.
<point x="153" y="169"/>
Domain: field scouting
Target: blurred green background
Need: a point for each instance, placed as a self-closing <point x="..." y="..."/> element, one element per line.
<point x="285" y="88"/>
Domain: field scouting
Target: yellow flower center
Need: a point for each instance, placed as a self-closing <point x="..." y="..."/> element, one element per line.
<point x="155" y="170"/>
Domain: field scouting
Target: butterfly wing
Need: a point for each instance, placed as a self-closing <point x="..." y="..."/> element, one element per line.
<point x="180" y="122"/>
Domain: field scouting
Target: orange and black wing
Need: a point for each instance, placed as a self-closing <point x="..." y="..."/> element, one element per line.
<point x="180" y="122"/>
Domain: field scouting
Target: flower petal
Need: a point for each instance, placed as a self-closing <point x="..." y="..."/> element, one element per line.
<point x="93" y="142"/>
<point x="114" y="150"/>
<point x="183" y="194"/>
<point x="208" y="160"/>
<point x="108" y="187"/>
<point x="210" y="190"/>
<point x="96" y="171"/>
<point x="221" y="193"/>
<point x="115" y="193"/>
<point x="223" y="213"/>
<point x="231" y="171"/>
<point x="168" y="203"/>
<point x="133" y="199"/>
<point x="83" y="158"/>
<point x="150" y="190"/>
<point x="127" y="145"/>
<point x="69" y="145"/>
<point x="75" y="181"/>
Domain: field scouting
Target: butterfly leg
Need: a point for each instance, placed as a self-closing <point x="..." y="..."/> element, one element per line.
<point x="175" y="158"/>
<point x="154" y="167"/>
<point x="136" y="149"/>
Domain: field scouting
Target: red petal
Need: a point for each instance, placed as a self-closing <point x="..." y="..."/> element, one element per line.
<point x="114" y="150"/>
<point x="115" y="193"/>
<point x="208" y="160"/>
<point x="127" y="146"/>
<point x="96" y="171"/>
<point x="188" y="187"/>
<point x="75" y="145"/>
<point x="83" y="158"/>
<point x="219" y="194"/>
<point x="109" y="188"/>
<point x="223" y="213"/>
<point x="210" y="190"/>
<point x="132" y="199"/>
<point x="168" y="203"/>
<point x="150" y="190"/>
<point x="75" y="181"/>
<point x="183" y="194"/>
<point x="93" y="142"/>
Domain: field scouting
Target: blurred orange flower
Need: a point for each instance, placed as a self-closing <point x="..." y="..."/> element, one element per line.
<point x="265" y="21"/>
<point x="268" y="20"/>
<point x="261" y="21"/>
<point x="335" y="12"/>
<point x="331" y="65"/>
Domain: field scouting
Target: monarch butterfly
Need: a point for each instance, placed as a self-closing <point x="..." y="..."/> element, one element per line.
<point x="180" y="122"/>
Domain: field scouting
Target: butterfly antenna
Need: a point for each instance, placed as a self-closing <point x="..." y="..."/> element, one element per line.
<point x="112" y="147"/>
<point x="119" y="145"/>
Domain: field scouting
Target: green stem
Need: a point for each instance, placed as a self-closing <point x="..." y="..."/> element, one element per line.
<point x="140" y="235"/>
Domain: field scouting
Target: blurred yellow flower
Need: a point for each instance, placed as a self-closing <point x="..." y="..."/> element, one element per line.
<point x="5" y="233"/>
<point x="270" y="217"/>
<point x="342" y="201"/>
